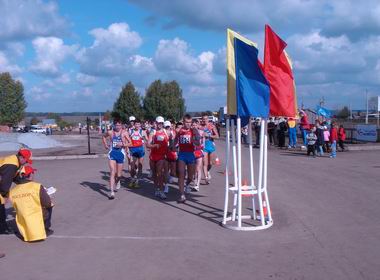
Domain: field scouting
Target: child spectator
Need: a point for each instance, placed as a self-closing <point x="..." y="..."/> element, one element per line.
<point x="333" y="139"/>
<point x="311" y="140"/>
<point x="292" y="133"/>
<point x="341" y="137"/>
<point x="326" y="136"/>
<point x="320" y="138"/>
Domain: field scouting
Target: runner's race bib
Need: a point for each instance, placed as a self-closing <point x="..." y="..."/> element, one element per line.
<point x="185" y="139"/>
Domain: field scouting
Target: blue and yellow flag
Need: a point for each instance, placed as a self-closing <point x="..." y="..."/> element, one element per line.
<point x="247" y="88"/>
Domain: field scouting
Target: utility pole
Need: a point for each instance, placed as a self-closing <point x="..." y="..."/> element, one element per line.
<point x="322" y="101"/>
<point x="100" y="123"/>
<point x="366" y="100"/>
<point x="350" y="111"/>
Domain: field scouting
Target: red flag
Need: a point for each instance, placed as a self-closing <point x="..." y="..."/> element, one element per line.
<point x="279" y="75"/>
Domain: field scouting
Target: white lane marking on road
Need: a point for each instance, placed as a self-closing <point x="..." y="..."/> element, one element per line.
<point x="117" y="237"/>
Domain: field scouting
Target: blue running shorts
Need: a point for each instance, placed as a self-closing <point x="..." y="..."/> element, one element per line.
<point x="187" y="157"/>
<point x="209" y="147"/>
<point x="117" y="155"/>
<point x="137" y="152"/>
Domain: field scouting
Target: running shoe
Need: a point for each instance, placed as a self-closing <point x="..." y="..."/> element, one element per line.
<point x="207" y="181"/>
<point x="182" y="199"/>
<point x="131" y="183"/>
<point x="118" y="186"/>
<point x="195" y="188"/>
<point x="187" y="189"/>
<point x="157" y="193"/>
<point x="171" y="180"/>
<point x="112" y="196"/>
<point x="136" y="185"/>
<point x="162" y="195"/>
<point x="166" y="189"/>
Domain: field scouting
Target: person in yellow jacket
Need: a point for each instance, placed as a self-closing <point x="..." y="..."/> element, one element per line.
<point x="32" y="205"/>
<point x="9" y="167"/>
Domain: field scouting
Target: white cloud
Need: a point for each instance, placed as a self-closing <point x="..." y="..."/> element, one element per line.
<point x="24" y="19"/>
<point x="38" y="93"/>
<point x="50" y="53"/>
<point x="117" y="35"/>
<point x="85" y="79"/>
<point x="6" y="66"/>
<point x="175" y="58"/>
<point x="110" y="54"/>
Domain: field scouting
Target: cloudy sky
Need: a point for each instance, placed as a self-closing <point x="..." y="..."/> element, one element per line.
<point x="74" y="55"/>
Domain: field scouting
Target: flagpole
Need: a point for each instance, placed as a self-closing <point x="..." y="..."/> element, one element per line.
<point x="227" y="169"/>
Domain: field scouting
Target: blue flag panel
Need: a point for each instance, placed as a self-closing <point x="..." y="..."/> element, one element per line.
<point x="252" y="88"/>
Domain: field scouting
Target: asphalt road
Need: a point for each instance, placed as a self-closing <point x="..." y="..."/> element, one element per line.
<point x="325" y="211"/>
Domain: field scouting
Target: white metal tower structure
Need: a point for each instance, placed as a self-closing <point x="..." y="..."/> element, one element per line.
<point x="256" y="188"/>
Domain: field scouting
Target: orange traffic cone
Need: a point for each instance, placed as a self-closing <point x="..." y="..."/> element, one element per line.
<point x="265" y="209"/>
<point x="217" y="161"/>
<point x="244" y="186"/>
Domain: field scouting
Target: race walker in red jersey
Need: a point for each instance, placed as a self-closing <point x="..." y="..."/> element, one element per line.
<point x="199" y="154"/>
<point x="187" y="138"/>
<point x="171" y="156"/>
<point x="136" y="148"/>
<point x="158" y="142"/>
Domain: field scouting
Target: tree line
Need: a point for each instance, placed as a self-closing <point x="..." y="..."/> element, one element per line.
<point x="160" y="99"/>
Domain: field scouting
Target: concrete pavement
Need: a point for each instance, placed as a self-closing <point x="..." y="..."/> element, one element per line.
<point x="325" y="226"/>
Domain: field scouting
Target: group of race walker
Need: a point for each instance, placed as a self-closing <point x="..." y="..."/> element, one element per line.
<point x="183" y="150"/>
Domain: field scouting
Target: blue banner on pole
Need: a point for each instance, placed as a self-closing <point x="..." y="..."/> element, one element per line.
<point x="323" y="112"/>
<point x="252" y="88"/>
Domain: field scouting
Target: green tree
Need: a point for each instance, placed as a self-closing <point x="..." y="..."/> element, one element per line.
<point x="107" y="116"/>
<point x="34" y="121"/>
<point x="164" y="99"/>
<point x="344" y="113"/>
<point x="12" y="101"/>
<point x="127" y="104"/>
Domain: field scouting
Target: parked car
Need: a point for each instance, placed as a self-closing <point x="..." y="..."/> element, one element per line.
<point x="37" y="129"/>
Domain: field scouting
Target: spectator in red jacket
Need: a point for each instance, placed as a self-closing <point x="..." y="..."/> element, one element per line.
<point x="333" y="139"/>
<point x="341" y="137"/>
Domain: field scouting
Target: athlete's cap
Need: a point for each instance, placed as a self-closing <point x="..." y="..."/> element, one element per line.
<point x="27" y="170"/>
<point x="167" y="123"/>
<point x="160" y="119"/>
<point x="26" y="154"/>
<point x="132" y="118"/>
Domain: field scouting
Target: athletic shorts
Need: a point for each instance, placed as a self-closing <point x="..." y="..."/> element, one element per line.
<point x="209" y="147"/>
<point x="198" y="154"/>
<point x="171" y="156"/>
<point x="157" y="157"/>
<point x="137" y="152"/>
<point x="187" y="157"/>
<point x="117" y="155"/>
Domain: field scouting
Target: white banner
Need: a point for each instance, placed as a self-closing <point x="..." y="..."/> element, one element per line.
<point x="366" y="132"/>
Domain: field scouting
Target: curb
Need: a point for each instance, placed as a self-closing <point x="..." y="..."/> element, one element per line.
<point x="69" y="157"/>
<point x="364" y="148"/>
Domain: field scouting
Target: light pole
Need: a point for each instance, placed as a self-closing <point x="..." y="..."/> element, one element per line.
<point x="366" y="99"/>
